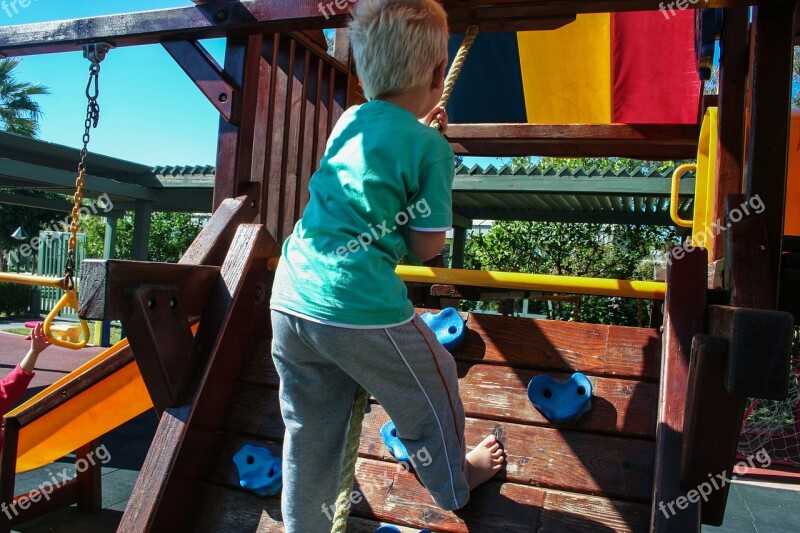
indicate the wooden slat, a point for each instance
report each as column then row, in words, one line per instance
column 574, row 346
column 397, row 497
column 684, row 316
column 278, row 53
column 642, row 141
column 567, row 460
column 226, row 510
column 499, row 393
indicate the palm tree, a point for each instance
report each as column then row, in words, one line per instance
column 19, row 112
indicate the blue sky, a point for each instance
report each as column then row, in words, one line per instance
column 151, row 112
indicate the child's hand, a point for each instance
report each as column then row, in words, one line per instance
column 437, row 113
column 39, row 341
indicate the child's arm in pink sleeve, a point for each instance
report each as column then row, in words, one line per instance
column 13, row 387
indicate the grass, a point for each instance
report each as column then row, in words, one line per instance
column 17, row 331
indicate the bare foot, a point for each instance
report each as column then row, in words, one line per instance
column 484, row 462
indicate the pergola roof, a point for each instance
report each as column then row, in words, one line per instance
column 640, row 196
column 32, row 164
column 550, row 194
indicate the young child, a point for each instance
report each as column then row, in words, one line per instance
column 16, row 383
column 340, row 315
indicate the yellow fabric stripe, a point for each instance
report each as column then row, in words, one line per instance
column 566, row 72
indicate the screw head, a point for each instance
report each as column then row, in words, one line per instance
column 151, row 303
column 173, row 303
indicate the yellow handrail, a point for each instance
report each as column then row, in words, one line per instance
column 29, row 279
column 673, row 197
column 653, row 290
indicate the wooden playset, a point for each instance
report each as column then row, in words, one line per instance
column 667, row 401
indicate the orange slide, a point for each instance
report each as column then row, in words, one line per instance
column 103, row 406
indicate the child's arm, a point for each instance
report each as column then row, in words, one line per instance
column 425, row 245
column 39, row 343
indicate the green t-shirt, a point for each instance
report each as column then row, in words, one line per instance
column 383, row 172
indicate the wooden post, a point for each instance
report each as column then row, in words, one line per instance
column 457, row 253
column 768, row 135
column 141, row 230
column 684, row 317
column 733, row 65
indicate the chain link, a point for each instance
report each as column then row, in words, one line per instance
column 92, row 118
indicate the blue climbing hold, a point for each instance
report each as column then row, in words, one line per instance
column 448, row 326
column 561, row 401
column 393, row 442
column 259, row 470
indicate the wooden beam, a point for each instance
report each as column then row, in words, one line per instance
column 684, row 317
column 713, row 419
column 645, row 141
column 595, row 217
column 768, row 135
column 578, row 185
column 35, row 175
column 220, row 19
column 733, row 67
column 105, row 281
column 204, row 71
column 186, row 437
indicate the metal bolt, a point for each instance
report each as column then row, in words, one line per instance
column 151, row 303
column 173, row 303
column 222, row 15
column 223, row 97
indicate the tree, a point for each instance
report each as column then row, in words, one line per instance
column 170, row 235
column 586, row 250
column 19, row 111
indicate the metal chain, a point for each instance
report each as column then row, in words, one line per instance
column 92, row 118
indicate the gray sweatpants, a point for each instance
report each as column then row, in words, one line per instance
column 405, row 368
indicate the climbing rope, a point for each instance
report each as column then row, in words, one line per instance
column 349, row 464
column 360, row 403
column 455, row 69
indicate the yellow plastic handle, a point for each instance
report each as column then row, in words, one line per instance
column 673, row 197
column 70, row 299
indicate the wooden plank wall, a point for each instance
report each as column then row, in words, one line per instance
column 292, row 95
column 592, row 474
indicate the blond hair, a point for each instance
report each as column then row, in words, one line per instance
column 396, row 43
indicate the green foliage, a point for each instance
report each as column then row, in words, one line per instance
column 15, row 299
column 170, row 235
column 587, row 250
column 19, row 111
column 602, row 163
